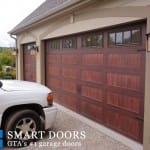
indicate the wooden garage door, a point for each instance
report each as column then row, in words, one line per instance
column 29, row 63
column 101, row 75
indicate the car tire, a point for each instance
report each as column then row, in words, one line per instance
column 22, row 121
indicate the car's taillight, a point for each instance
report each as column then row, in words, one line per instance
column 50, row 99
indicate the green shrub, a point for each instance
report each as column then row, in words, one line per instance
column 6, row 75
column 1, row 68
column 6, row 57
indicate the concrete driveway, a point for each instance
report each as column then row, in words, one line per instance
column 94, row 140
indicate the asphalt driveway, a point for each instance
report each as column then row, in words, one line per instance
column 94, row 140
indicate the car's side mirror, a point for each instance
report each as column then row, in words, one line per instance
column 1, row 84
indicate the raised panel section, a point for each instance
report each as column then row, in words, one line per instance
column 92, row 76
column 28, row 76
column 27, row 68
column 54, row 82
column 53, row 59
column 123, row 123
column 92, row 93
column 92, row 59
column 70, row 59
column 125, row 60
column 28, row 58
column 53, row 70
column 69, row 101
column 69, row 86
column 124, row 81
column 91, row 110
column 70, row 73
column 126, row 102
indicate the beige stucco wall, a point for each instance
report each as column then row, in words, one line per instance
column 87, row 25
column 97, row 15
column 147, row 106
column 147, row 95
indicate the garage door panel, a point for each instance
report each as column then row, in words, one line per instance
column 29, row 64
column 69, row 86
column 133, row 61
column 127, row 81
column 92, row 92
column 53, row 70
column 54, row 82
column 124, row 124
column 27, row 68
column 72, row 72
column 92, row 110
column 69, row 100
column 123, row 101
column 28, row 75
column 71, row 59
column 93, row 59
column 27, row 59
column 92, row 76
column 53, row 59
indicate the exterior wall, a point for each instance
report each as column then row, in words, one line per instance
column 97, row 15
column 147, row 95
column 86, row 25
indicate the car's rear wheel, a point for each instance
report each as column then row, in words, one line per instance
column 22, row 124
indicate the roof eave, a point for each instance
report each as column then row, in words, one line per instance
column 54, row 13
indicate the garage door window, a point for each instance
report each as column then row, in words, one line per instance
column 70, row 43
column 55, row 44
column 125, row 37
column 136, row 35
column 92, row 40
column 119, row 39
column 112, row 38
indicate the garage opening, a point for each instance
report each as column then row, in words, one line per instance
column 100, row 74
column 29, row 63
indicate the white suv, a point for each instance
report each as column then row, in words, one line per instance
column 25, row 107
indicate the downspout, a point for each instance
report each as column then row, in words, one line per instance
column 16, row 55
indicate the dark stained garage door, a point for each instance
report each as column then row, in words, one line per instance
column 29, row 63
column 101, row 75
